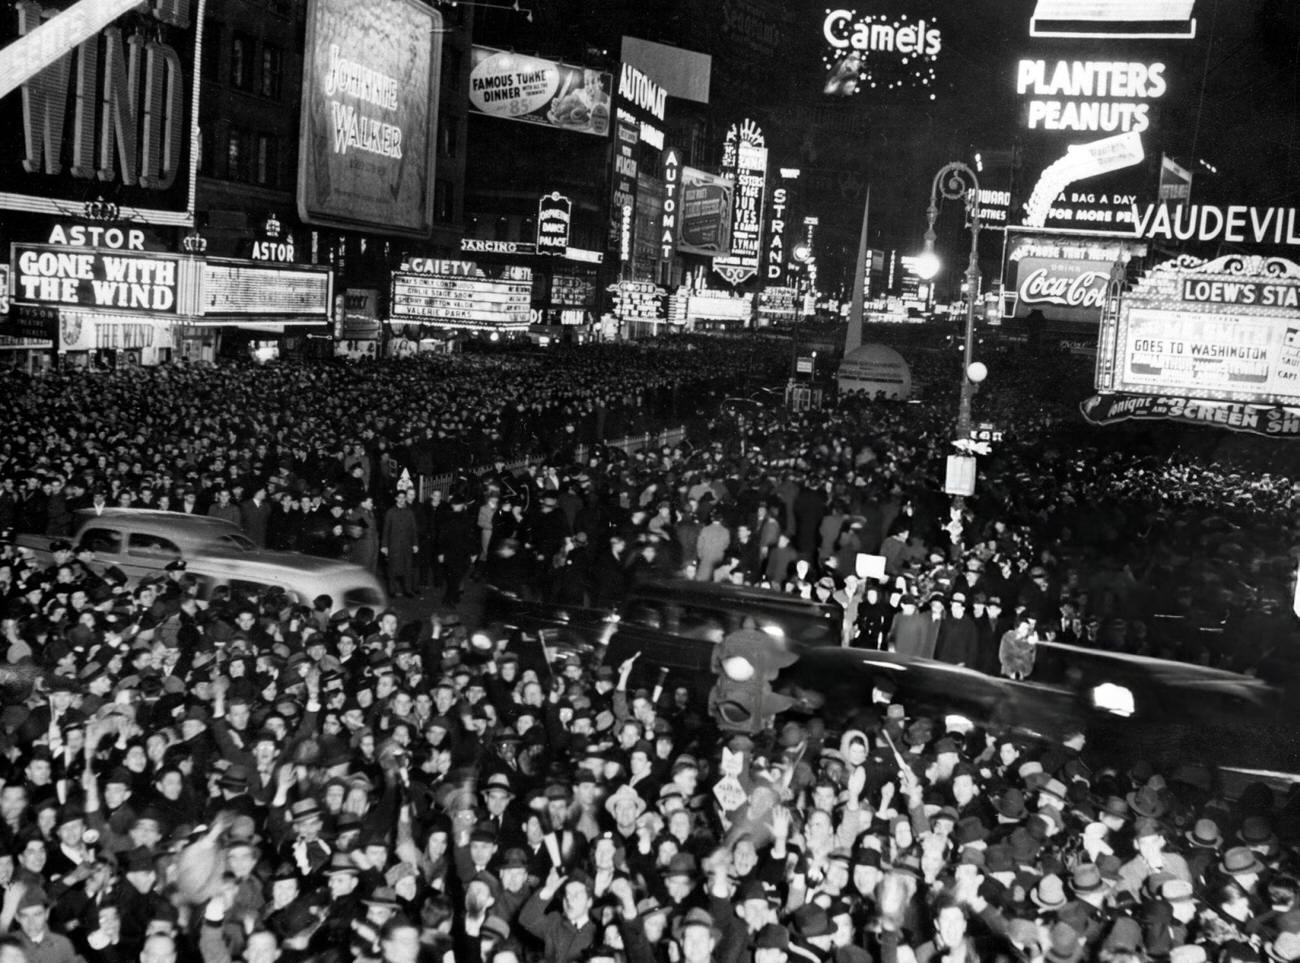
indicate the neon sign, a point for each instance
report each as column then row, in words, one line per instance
column 867, row 51
column 1078, row 95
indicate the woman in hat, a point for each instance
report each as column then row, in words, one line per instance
column 1019, row 648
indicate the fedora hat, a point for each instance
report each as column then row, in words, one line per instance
column 1146, row 802
column 382, row 896
column 698, row 916
column 625, row 794
column 1049, row 894
column 341, row 864
column 1240, row 861
column 1054, row 788
column 1256, row 832
column 1205, row 834
column 1116, row 807
column 1086, row 878
column 498, row 782
column 1065, row 944
column 1011, row 804
column 681, row 864
column 811, row 921
column 1285, row 948
column 304, row 809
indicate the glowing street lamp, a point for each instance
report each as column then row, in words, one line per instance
column 956, row 181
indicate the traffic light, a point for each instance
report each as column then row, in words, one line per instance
column 746, row 663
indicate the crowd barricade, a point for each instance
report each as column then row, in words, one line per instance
column 668, row 437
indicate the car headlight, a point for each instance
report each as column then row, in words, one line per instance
column 1114, row 699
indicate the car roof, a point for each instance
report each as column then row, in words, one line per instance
column 688, row 589
column 161, row 519
column 246, row 563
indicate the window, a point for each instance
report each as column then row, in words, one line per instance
column 102, row 541
column 241, row 61
column 205, row 152
column 239, row 542
column 442, row 200
column 237, row 156
column 354, row 598
column 452, row 60
column 205, row 585
column 268, row 172
column 272, row 70
column 153, row 546
column 252, row 590
column 211, row 50
column 448, row 135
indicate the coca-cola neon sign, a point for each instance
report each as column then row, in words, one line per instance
column 1086, row 290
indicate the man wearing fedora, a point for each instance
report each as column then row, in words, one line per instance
column 1152, row 857
column 498, row 799
column 306, row 850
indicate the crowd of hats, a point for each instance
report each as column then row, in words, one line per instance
column 405, row 737
column 152, row 433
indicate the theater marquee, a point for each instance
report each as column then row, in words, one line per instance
column 1225, row 330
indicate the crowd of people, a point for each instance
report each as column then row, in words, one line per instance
column 263, row 778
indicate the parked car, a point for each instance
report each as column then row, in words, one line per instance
column 142, row 541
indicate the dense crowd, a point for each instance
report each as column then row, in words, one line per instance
column 266, row 778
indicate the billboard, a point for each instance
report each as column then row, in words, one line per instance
column 1061, row 278
column 622, row 189
column 111, row 117
column 462, row 294
column 1090, row 116
column 1223, row 330
column 53, row 275
column 554, row 212
column 705, row 222
column 533, row 90
column 877, row 52
column 228, row 287
column 745, row 152
column 684, row 73
column 369, row 113
column 644, row 102
column 1114, row 19
column 1175, row 181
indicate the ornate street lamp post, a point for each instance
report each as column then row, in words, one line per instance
column 956, row 181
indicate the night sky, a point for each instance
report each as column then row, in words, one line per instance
column 1233, row 99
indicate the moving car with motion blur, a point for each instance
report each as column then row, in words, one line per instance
column 1140, row 707
column 1147, row 707
column 672, row 623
